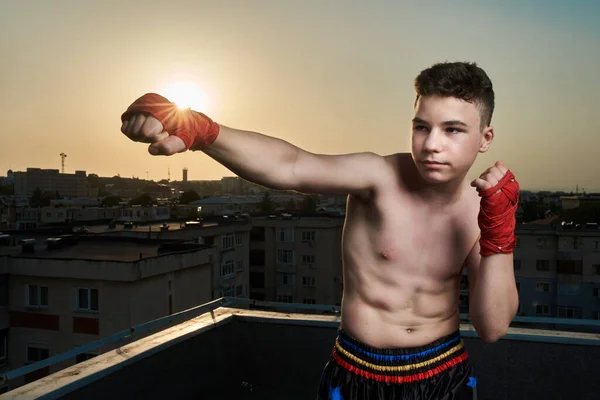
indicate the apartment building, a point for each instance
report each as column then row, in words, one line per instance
column 60, row 293
column 229, row 238
column 51, row 180
column 558, row 271
column 296, row 260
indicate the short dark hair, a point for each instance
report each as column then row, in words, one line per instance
column 462, row 80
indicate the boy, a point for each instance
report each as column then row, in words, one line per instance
column 412, row 223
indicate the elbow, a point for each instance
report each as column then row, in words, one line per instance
column 492, row 334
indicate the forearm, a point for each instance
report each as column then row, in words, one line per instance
column 258, row 158
column 494, row 298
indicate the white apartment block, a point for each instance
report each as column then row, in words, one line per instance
column 65, row 295
column 230, row 239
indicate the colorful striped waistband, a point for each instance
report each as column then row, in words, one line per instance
column 398, row 365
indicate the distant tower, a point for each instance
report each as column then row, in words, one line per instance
column 62, row 162
column 169, row 174
column 185, row 176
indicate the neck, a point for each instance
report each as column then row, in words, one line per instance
column 442, row 194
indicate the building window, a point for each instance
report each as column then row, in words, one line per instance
column 227, row 269
column 308, row 236
column 596, row 315
column 87, row 299
column 285, row 299
column 285, row 235
column 227, row 241
column 37, row 353
column 308, row 281
column 309, row 301
column 37, row 296
column 285, row 256
column 542, row 309
column 596, row 269
column 542, row 243
column 568, row 289
column 542, row 265
column 239, row 239
column 285, row 279
column 543, row 287
column 596, row 292
column 517, row 264
column 228, row 291
column 569, row 312
column 308, row 259
column 239, row 290
column 239, row 265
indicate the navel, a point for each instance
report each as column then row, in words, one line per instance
column 409, row 330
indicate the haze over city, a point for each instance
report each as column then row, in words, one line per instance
column 330, row 77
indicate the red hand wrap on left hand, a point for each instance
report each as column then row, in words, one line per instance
column 497, row 216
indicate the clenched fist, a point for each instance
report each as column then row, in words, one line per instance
column 169, row 130
column 490, row 177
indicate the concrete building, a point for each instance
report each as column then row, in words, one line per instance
column 63, row 293
column 51, row 180
column 569, row 202
column 229, row 238
column 558, row 271
column 296, row 260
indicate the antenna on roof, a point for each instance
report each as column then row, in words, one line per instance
column 62, row 162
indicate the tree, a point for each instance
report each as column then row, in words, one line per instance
column 111, row 201
column 37, row 199
column 143, row 200
column 267, row 206
column 309, row 204
column 8, row 189
column 93, row 181
column 188, row 197
column 291, row 205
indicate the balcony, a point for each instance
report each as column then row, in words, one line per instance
column 225, row 350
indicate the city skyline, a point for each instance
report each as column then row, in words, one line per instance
column 69, row 72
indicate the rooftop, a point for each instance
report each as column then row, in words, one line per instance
column 75, row 247
column 225, row 350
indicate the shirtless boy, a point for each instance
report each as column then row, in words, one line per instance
column 413, row 222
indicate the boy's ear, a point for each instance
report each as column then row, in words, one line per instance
column 487, row 136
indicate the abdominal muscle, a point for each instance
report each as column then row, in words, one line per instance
column 412, row 313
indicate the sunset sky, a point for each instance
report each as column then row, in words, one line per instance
column 328, row 76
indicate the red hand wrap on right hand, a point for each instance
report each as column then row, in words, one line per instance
column 195, row 129
column 497, row 216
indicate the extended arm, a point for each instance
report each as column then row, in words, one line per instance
column 277, row 164
column 258, row 158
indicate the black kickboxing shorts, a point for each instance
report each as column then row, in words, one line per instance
column 438, row 371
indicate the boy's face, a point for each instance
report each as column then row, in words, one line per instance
column 446, row 137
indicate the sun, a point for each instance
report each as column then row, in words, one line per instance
column 187, row 95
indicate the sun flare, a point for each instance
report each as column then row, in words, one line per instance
column 187, row 95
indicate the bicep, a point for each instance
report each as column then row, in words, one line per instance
column 356, row 174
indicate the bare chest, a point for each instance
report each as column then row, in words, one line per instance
column 417, row 241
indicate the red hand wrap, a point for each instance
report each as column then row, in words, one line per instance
column 497, row 216
column 195, row 129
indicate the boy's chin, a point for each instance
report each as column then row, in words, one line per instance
column 437, row 177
